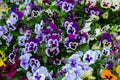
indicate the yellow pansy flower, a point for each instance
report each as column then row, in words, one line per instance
column 2, row 59
column 105, row 15
column 88, row 74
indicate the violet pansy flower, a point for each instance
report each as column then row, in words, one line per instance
column 51, row 51
column 95, row 11
column 74, row 60
column 28, row 33
column 31, row 45
column 41, row 74
column 89, row 57
column 106, row 51
column 21, row 40
column 71, row 27
column 34, row 64
column 15, row 15
column 24, row 59
column 66, row 5
column 70, row 42
column 71, row 75
column 8, row 39
column 3, row 30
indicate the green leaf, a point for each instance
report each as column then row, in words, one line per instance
column 45, row 59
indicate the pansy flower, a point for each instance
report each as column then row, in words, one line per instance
column 2, row 59
column 115, row 5
column 106, row 3
column 53, row 41
column 31, row 10
column 81, row 37
column 91, row 2
column 51, row 51
column 52, row 46
column 21, row 40
column 41, row 73
column 28, row 33
column 39, row 27
column 74, row 60
column 105, row 15
column 13, row 56
column 31, row 45
column 89, row 57
column 57, row 61
column 15, row 15
column 87, row 8
column 94, row 11
column 34, row 64
column 24, row 59
column 106, row 39
column 70, row 42
column 107, row 75
column 118, row 70
column 10, row 70
column 66, row 5
column 40, row 37
column 71, row 27
column 106, row 51
column 8, row 39
column 3, row 30
column 35, row 12
column 71, row 75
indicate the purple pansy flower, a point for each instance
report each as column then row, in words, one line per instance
column 89, row 57
column 71, row 27
column 21, row 40
column 28, row 33
column 40, row 37
column 31, row 10
column 66, row 5
column 106, row 39
column 51, row 51
column 74, row 60
column 15, row 15
column 94, row 11
column 38, row 76
column 24, row 59
column 81, row 37
column 13, row 55
column 39, row 27
column 57, row 61
column 71, row 76
column 87, row 8
column 106, row 51
column 53, row 41
column 31, row 45
column 8, row 39
column 41, row 74
column 70, row 42
column 51, row 26
column 3, row 30
column 34, row 63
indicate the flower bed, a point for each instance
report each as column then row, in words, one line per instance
column 59, row 40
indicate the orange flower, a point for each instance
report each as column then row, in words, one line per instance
column 107, row 75
column 118, row 70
